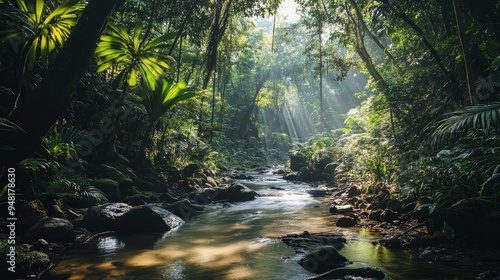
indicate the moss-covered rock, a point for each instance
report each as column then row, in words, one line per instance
column 26, row 262
column 126, row 186
column 109, row 187
column 52, row 230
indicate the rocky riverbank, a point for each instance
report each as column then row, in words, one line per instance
column 401, row 222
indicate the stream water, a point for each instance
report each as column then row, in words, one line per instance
column 239, row 242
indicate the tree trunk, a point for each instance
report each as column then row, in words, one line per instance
column 248, row 113
column 38, row 112
column 465, row 50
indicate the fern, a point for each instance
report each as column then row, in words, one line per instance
column 85, row 195
column 460, row 122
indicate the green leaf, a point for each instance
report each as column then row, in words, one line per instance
column 137, row 33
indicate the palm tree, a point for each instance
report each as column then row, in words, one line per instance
column 133, row 55
column 38, row 27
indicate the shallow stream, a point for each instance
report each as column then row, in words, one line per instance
column 239, row 242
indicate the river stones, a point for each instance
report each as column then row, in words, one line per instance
column 52, row 230
column 364, row 273
column 303, row 242
column 322, row 259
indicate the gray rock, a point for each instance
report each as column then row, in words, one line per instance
column 297, row 161
column 234, row 193
column 323, row 259
column 52, row 230
column 147, row 218
column 184, row 208
column 302, row 242
column 103, row 217
column 346, row 222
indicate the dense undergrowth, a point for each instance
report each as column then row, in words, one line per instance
column 454, row 175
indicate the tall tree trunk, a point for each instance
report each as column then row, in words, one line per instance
column 469, row 70
column 321, row 109
column 38, row 112
column 248, row 113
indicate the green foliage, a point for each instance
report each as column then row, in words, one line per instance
column 134, row 57
column 62, row 145
column 27, row 262
column 79, row 193
column 164, row 96
column 39, row 27
column 465, row 121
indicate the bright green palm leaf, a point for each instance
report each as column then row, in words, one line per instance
column 155, row 43
column 117, row 47
column 39, row 30
column 137, row 34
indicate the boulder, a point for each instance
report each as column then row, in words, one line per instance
column 236, row 192
column 110, row 188
column 350, row 273
column 307, row 175
column 323, row 259
column 147, row 218
column 346, row 222
column 103, row 217
column 323, row 162
column 302, row 242
column 52, row 230
column 184, row 208
column 297, row 161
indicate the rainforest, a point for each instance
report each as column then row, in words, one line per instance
column 249, row 139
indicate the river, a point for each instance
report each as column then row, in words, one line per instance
column 239, row 241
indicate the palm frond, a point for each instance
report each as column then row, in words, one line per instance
column 460, row 122
column 87, row 195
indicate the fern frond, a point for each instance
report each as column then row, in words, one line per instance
column 460, row 122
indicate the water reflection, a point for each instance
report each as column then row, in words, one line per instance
column 109, row 245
